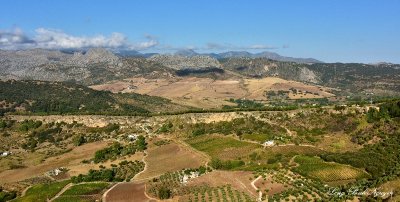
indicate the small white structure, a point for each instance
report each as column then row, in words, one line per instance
column 56, row 171
column 6, row 153
column 186, row 177
column 132, row 137
column 269, row 143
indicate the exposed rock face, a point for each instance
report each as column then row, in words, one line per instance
column 100, row 65
column 185, row 62
column 307, row 75
column 95, row 66
column 95, row 55
column 262, row 67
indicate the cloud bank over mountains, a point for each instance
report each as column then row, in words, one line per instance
column 45, row 38
column 57, row 39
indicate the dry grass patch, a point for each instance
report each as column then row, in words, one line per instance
column 209, row 93
column 338, row 143
column 239, row 180
column 71, row 158
column 127, row 192
column 268, row 184
column 168, row 158
column 82, row 168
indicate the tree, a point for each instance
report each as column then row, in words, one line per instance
column 79, row 140
column 141, row 143
column 164, row 193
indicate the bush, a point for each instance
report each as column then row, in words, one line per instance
column 226, row 165
column 164, row 193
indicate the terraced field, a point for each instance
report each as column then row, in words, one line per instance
column 221, row 193
column 328, row 172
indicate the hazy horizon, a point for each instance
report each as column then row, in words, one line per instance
column 339, row 31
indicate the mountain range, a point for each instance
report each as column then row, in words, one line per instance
column 229, row 54
column 97, row 66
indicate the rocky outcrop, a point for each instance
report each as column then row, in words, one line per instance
column 91, row 67
column 185, row 62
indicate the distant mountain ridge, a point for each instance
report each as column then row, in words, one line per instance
column 97, row 66
column 233, row 54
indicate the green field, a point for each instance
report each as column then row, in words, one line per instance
column 317, row 168
column 222, row 147
column 42, row 192
column 86, row 189
column 80, row 192
column 261, row 138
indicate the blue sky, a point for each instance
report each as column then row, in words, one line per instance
column 331, row 31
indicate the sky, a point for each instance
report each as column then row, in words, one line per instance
column 329, row 30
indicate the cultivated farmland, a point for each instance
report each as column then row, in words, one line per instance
column 225, row 148
column 328, row 172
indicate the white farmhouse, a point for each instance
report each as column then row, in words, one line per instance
column 192, row 175
column 132, row 137
column 6, row 153
column 269, row 143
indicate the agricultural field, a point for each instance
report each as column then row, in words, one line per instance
column 261, row 138
column 72, row 158
column 317, row 168
column 168, row 158
column 42, row 192
column 127, row 191
column 391, row 188
column 84, row 192
column 221, row 193
column 239, row 180
column 209, row 157
column 211, row 93
column 222, row 147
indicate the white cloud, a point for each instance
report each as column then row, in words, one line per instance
column 57, row 39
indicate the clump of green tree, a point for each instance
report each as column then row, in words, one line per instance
column 225, row 165
column 27, row 125
column 386, row 110
column 164, row 193
column 244, row 104
column 117, row 149
column 7, row 196
column 381, row 160
column 79, row 140
column 6, row 124
column 141, row 143
column 125, row 171
column 114, row 151
column 238, row 126
column 69, row 98
column 111, row 127
column 165, row 128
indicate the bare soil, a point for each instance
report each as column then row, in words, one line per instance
column 127, row 191
column 169, row 158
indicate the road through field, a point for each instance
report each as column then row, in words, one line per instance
column 254, row 186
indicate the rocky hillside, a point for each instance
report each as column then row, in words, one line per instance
column 348, row 77
column 97, row 66
column 91, row 67
column 179, row 62
column 261, row 67
column 265, row 55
